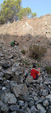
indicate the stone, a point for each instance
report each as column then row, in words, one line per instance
column 49, row 97
column 9, row 98
column 20, row 91
column 27, row 110
column 1, row 74
column 21, row 103
column 8, row 74
column 30, row 102
column 14, row 108
column 47, row 82
column 15, row 66
column 45, row 103
column 1, row 103
column 14, row 112
column 1, row 55
column 33, row 109
column 40, row 107
column 0, row 68
column 36, row 98
column 5, row 65
column 44, row 92
column 49, row 110
column 29, row 79
column 4, row 108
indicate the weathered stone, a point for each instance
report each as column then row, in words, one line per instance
column 5, row 65
column 44, row 92
column 8, row 74
column 49, row 97
column 33, row 109
column 36, row 98
column 1, row 103
column 14, row 112
column 0, row 68
column 47, row 82
column 49, row 110
column 21, row 103
column 31, row 102
column 1, row 74
column 1, row 55
column 4, row 108
column 29, row 80
column 14, row 108
column 20, row 91
column 27, row 110
column 9, row 98
column 45, row 103
column 40, row 107
column 15, row 66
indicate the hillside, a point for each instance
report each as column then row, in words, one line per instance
column 19, row 92
column 27, row 32
column 35, row 26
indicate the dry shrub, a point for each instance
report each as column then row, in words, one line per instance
column 23, row 52
column 48, row 69
column 36, row 52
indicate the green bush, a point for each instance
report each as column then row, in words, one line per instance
column 2, row 20
column 23, row 52
column 36, row 52
column 26, row 62
column 48, row 69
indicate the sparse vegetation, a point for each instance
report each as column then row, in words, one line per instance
column 23, row 52
column 36, row 52
column 26, row 62
column 11, row 10
column 38, row 65
column 48, row 69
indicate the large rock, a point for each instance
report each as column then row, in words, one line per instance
column 29, row 80
column 20, row 91
column 9, row 98
column 49, row 110
column 45, row 103
column 4, row 109
column 1, row 74
column 21, row 103
column 31, row 102
column 8, row 74
column 33, row 109
column 44, row 92
column 40, row 107
column 13, row 108
column 1, row 103
column 49, row 97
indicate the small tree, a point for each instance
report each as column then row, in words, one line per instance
column 23, row 13
column 34, row 15
column 10, row 8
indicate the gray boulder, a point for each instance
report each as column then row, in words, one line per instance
column 41, row 108
column 9, row 98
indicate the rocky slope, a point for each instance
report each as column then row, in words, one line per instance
column 36, row 26
column 19, row 93
column 27, row 32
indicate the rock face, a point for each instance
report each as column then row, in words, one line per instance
column 19, row 93
column 41, row 25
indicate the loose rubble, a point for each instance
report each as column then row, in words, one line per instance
column 19, row 93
